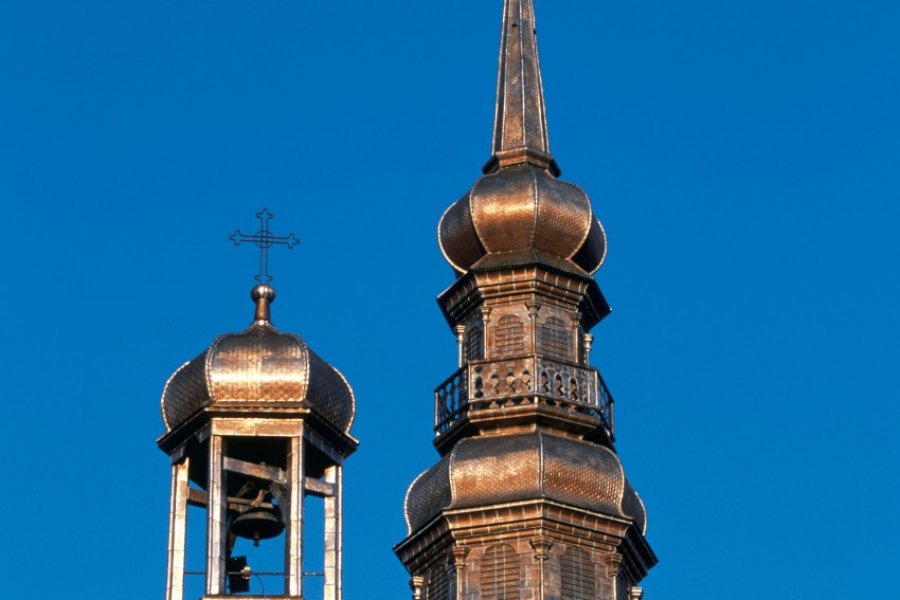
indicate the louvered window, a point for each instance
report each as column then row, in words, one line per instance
column 579, row 581
column 500, row 574
column 509, row 337
column 556, row 339
column 474, row 344
column 438, row 587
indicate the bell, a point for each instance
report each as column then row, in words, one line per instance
column 258, row 523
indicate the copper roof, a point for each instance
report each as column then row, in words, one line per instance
column 258, row 367
column 486, row 470
column 520, row 209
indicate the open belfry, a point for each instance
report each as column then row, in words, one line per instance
column 254, row 424
column 528, row 499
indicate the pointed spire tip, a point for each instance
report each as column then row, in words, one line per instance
column 520, row 122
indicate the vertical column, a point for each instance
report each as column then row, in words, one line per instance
column 293, row 549
column 333, row 533
column 459, row 565
column 416, row 585
column 613, row 561
column 533, row 308
column 588, row 342
column 460, row 345
column 488, row 333
column 217, row 506
column 576, row 334
column 541, row 545
column 177, row 528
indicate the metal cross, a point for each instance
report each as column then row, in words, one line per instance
column 265, row 240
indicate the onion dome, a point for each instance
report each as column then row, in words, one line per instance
column 482, row 471
column 519, row 212
column 259, row 368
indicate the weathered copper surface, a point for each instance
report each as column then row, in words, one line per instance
column 259, row 366
column 519, row 210
column 256, row 422
column 529, row 499
column 487, row 470
column 520, row 118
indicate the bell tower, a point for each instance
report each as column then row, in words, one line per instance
column 254, row 425
column 529, row 499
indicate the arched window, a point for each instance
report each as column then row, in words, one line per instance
column 555, row 339
column 500, row 573
column 579, row 581
column 474, row 344
column 509, row 337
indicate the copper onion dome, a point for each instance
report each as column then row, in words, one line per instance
column 522, row 213
column 481, row 471
column 519, row 212
column 259, row 368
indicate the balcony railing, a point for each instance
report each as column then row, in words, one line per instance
column 495, row 383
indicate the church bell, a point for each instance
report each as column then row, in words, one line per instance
column 258, row 523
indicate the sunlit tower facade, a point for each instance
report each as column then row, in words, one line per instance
column 529, row 499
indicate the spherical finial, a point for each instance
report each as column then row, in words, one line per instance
column 263, row 295
column 261, row 291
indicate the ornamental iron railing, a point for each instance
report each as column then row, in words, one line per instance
column 491, row 384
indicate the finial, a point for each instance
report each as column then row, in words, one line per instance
column 265, row 240
column 520, row 121
column 263, row 295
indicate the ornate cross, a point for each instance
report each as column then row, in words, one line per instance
column 265, row 240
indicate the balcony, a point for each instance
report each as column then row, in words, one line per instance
column 493, row 384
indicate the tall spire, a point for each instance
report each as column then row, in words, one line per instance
column 520, row 122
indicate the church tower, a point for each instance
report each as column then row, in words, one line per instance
column 255, row 425
column 529, row 500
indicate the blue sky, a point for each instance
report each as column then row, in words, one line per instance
column 742, row 156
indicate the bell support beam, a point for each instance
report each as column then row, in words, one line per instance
column 177, row 530
column 254, row 470
column 197, row 498
column 317, row 487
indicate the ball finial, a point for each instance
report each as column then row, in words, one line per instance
column 263, row 295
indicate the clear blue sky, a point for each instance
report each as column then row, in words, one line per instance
column 742, row 155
